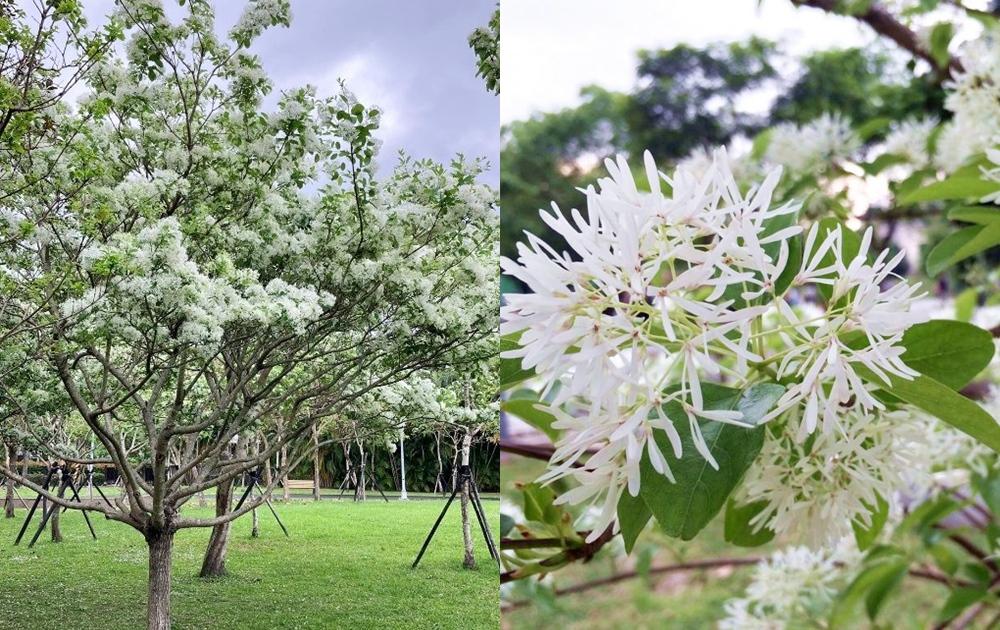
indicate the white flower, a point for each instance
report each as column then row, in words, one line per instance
column 791, row 588
column 825, row 357
column 974, row 99
column 815, row 489
column 611, row 322
column 909, row 139
column 812, row 148
column 662, row 293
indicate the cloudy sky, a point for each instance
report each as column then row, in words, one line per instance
column 551, row 49
column 410, row 58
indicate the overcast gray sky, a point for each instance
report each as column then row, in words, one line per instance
column 410, row 58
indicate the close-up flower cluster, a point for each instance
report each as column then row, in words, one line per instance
column 695, row 281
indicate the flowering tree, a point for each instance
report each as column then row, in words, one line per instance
column 719, row 340
column 200, row 266
column 485, row 42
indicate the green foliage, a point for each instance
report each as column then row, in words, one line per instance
column 943, row 402
column 529, row 410
column 688, row 95
column 882, row 571
column 633, row 515
column 540, row 161
column 964, row 243
column 951, row 352
column 685, row 507
column 966, row 183
column 485, row 43
column 866, row 534
column 738, row 530
column 859, row 84
column 421, row 465
column 511, row 372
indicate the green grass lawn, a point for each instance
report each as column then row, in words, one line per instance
column 345, row 565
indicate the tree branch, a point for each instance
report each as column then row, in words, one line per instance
column 886, row 25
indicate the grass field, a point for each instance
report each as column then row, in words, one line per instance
column 346, row 565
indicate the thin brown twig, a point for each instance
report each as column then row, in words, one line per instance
column 526, row 450
column 714, row 563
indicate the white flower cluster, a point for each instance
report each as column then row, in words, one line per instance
column 792, row 588
column 665, row 289
column 974, row 98
column 811, row 147
column 815, row 489
column 164, row 285
column 258, row 16
column 909, row 139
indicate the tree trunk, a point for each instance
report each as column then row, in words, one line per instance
column 470, row 557
column 63, row 482
column 457, row 452
column 359, row 490
column 160, row 554
column 316, row 462
column 214, row 564
column 9, row 499
column 285, row 492
column 438, row 484
column 348, row 469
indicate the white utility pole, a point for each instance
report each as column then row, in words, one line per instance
column 402, row 467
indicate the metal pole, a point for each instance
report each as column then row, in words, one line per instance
column 34, row 506
column 434, row 529
column 76, row 495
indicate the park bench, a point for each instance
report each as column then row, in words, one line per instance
column 299, row 484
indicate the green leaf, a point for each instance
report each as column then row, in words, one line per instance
column 983, row 215
column 989, row 489
column 633, row 514
column 958, row 186
column 922, row 519
column 511, row 372
column 880, row 590
column 872, row 584
column 961, row 598
column 685, row 507
column 865, row 535
column 950, row 352
column 506, row 524
column 945, row 557
column 872, row 127
column 962, row 244
column 940, row 37
column 760, row 143
column 533, row 412
column 943, row 402
column 965, row 304
column 883, row 162
column 539, row 506
column 737, row 529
